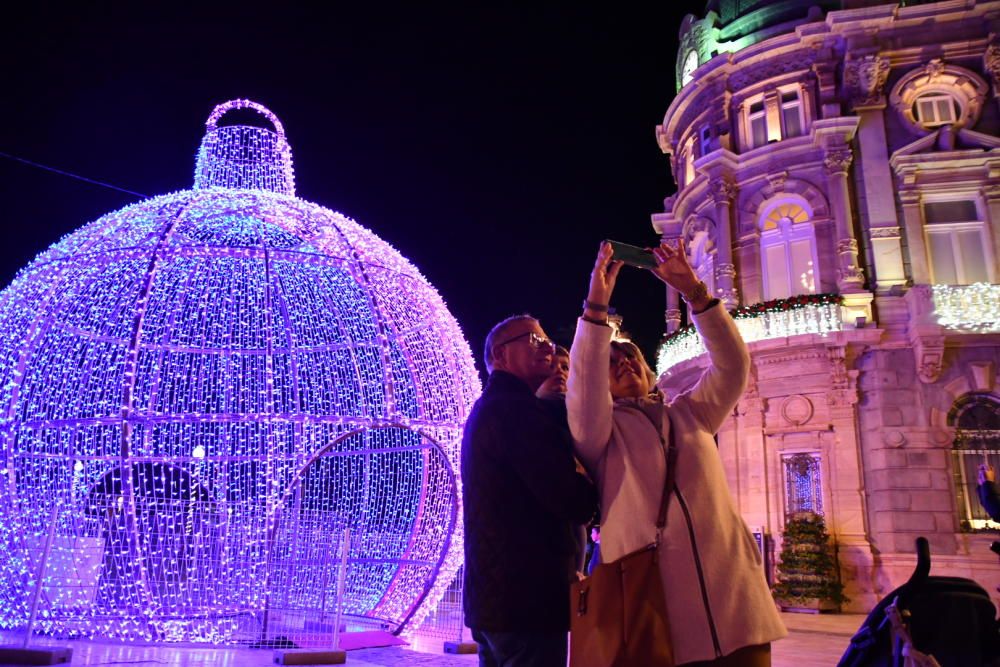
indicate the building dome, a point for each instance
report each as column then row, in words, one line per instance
column 202, row 390
column 731, row 25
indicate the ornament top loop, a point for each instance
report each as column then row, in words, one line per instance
column 242, row 156
column 221, row 109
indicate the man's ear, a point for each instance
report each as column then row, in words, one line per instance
column 499, row 358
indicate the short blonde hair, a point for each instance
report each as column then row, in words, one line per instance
column 632, row 350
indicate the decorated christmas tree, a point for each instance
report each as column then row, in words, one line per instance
column 808, row 577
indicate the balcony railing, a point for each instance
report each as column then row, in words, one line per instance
column 804, row 314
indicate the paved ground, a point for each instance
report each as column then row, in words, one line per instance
column 815, row 641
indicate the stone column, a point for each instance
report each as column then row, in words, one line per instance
column 913, row 223
column 772, row 114
column 849, row 275
column 864, row 81
column 723, row 191
column 848, row 514
column 673, row 311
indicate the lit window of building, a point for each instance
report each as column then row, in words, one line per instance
column 757, row 123
column 785, row 120
column 957, row 242
column 791, row 114
column 976, row 419
column 803, row 483
column 934, row 110
column 705, row 143
column 788, row 251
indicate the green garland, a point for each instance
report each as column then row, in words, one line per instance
column 773, row 306
column 807, row 571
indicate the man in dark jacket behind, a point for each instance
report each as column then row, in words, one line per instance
column 522, row 493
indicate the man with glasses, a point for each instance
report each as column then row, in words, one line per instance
column 523, row 493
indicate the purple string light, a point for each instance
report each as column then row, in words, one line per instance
column 211, row 385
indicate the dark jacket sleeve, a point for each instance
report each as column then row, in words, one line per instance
column 990, row 500
column 540, row 453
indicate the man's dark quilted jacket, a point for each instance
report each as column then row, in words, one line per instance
column 522, row 493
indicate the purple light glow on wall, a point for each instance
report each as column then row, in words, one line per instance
column 205, row 389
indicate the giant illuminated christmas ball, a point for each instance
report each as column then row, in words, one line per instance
column 202, row 391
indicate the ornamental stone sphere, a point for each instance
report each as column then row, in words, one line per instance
column 202, row 391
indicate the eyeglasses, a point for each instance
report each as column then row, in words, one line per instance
column 534, row 340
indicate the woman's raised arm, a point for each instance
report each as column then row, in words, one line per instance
column 588, row 397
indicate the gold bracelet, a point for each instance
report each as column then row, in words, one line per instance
column 699, row 292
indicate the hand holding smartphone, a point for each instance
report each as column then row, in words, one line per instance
column 632, row 255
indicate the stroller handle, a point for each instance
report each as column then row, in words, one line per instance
column 923, row 568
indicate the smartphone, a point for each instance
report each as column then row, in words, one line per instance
column 633, row 255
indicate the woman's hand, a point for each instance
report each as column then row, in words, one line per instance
column 602, row 282
column 674, row 270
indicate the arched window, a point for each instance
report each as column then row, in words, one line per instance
column 788, row 249
column 976, row 419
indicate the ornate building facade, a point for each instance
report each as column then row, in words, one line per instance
column 838, row 185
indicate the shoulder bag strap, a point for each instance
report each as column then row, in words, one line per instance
column 670, row 450
column 670, row 459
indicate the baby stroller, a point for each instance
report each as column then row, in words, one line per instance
column 928, row 622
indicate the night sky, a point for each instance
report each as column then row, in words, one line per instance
column 495, row 148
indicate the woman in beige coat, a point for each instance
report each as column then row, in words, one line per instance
column 719, row 606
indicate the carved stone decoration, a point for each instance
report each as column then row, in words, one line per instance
column 730, row 297
column 796, row 410
column 798, row 61
column 777, row 182
column 850, row 274
column 991, row 64
column 838, row 160
column 673, row 318
column 725, row 271
column 847, row 245
column 696, row 225
column 841, row 398
column 864, row 79
column 722, row 190
column 928, row 351
column 894, row 438
column 843, row 380
column 885, row 232
column 934, row 69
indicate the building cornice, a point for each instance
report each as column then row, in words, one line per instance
column 814, row 42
